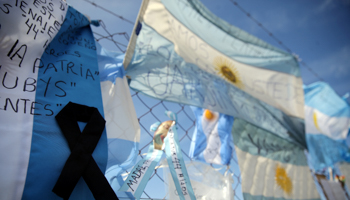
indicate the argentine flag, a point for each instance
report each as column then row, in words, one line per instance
column 212, row 136
column 327, row 120
column 271, row 167
column 48, row 58
column 181, row 52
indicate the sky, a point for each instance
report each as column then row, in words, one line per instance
column 318, row 31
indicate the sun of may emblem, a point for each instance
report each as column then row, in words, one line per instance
column 283, row 181
column 315, row 121
column 228, row 71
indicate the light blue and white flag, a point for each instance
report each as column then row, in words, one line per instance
column 26, row 31
column 47, row 60
column 271, row 167
column 327, row 120
column 179, row 51
column 212, row 136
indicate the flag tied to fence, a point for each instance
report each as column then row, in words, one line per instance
column 165, row 138
column 47, row 59
column 212, row 137
column 179, row 51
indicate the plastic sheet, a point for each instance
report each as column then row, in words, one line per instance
column 207, row 182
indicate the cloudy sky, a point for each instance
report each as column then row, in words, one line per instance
column 318, row 31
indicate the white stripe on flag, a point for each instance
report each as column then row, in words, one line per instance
column 121, row 119
column 25, row 33
column 316, row 122
column 259, row 178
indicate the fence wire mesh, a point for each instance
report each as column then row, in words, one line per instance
column 151, row 110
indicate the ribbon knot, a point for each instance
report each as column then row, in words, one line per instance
column 80, row 162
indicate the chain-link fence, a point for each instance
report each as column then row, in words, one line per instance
column 151, row 110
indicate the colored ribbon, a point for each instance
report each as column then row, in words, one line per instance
column 142, row 171
column 164, row 133
column 177, row 166
column 80, row 163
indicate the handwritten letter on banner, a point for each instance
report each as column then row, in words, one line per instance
column 181, row 52
column 26, row 29
column 271, row 167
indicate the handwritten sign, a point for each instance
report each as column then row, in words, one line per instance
column 26, row 28
column 140, row 174
column 205, row 62
column 67, row 71
column 142, row 171
column 38, row 23
column 47, row 60
column 178, row 81
column 177, row 166
column 262, row 143
column 186, row 83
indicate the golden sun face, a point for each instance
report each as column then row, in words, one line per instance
column 228, row 71
column 208, row 115
column 283, row 181
column 315, row 121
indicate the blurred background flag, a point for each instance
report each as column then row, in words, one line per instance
column 179, row 51
column 212, row 136
column 271, row 167
column 327, row 120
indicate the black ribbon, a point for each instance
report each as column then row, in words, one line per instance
column 80, row 163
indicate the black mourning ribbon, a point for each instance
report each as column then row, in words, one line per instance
column 80, row 163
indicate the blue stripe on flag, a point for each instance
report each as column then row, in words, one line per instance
column 325, row 152
column 72, row 76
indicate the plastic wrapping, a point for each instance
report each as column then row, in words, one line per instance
column 207, row 182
